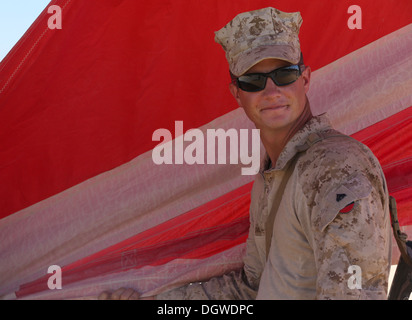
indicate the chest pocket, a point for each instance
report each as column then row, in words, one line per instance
column 343, row 199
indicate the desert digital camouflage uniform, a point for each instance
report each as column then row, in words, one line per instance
column 334, row 214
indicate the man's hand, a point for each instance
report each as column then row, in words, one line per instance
column 122, row 294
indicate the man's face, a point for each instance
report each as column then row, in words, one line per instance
column 274, row 108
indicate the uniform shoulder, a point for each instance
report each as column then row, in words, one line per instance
column 334, row 161
column 335, row 150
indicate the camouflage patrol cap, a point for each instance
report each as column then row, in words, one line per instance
column 261, row 34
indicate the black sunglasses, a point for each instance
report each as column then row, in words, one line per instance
column 253, row 82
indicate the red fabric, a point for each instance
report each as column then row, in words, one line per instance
column 82, row 100
column 391, row 142
column 200, row 233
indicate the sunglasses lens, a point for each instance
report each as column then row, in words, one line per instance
column 252, row 83
column 287, row 76
column 257, row 81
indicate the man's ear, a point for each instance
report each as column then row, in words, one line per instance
column 306, row 78
column 234, row 90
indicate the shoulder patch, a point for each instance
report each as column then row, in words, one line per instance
column 342, row 198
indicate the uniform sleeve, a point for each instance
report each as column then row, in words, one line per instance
column 236, row 285
column 232, row 286
column 352, row 237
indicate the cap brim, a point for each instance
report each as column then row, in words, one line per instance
column 248, row 59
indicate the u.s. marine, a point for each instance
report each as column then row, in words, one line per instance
column 319, row 204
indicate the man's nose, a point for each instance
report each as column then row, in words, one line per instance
column 271, row 88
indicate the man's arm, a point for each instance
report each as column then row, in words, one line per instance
column 349, row 222
column 242, row 284
column 236, row 285
column 352, row 240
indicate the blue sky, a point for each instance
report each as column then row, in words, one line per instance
column 16, row 16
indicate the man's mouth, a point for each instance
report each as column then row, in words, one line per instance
column 272, row 108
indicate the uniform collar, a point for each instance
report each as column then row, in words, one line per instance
column 316, row 124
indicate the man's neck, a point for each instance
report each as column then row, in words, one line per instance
column 275, row 142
